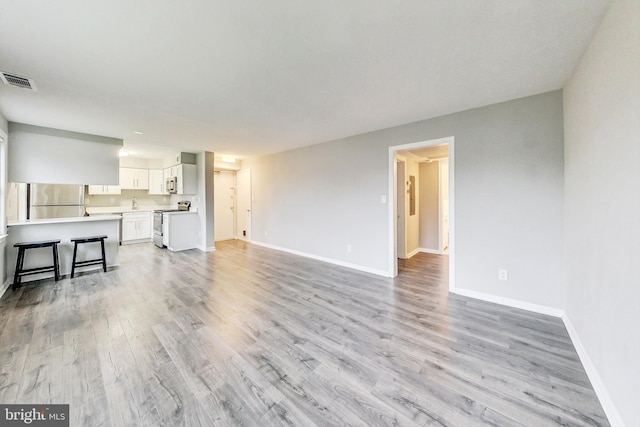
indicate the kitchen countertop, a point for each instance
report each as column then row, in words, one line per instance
column 63, row 229
column 64, row 220
column 180, row 212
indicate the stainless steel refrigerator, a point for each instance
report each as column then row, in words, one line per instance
column 56, row 201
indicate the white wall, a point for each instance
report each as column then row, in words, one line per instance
column 45, row 155
column 602, row 207
column 509, row 197
column 429, row 206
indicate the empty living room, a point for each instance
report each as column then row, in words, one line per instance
column 431, row 213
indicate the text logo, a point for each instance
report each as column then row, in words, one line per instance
column 34, row 415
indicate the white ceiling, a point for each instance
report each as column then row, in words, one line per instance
column 432, row 152
column 250, row 77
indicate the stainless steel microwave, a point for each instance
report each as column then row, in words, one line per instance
column 171, row 185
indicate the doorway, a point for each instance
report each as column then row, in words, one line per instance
column 224, row 202
column 398, row 188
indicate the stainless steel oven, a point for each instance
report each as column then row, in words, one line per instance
column 157, row 228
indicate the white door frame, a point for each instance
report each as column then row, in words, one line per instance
column 393, row 250
column 401, row 201
column 441, row 221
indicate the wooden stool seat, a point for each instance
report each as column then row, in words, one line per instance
column 93, row 239
column 21, row 271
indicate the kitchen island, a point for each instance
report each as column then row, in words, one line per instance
column 64, row 229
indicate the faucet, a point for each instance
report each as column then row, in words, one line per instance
column 134, row 203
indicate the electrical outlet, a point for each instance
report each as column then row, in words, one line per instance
column 348, row 248
column 502, row 274
column 383, row 199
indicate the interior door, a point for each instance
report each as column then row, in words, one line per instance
column 224, row 202
column 243, row 179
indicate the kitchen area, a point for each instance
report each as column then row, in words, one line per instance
column 151, row 201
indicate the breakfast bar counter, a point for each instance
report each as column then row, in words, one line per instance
column 64, row 229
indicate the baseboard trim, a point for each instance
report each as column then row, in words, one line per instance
column 206, row 248
column 596, row 382
column 509, row 302
column 413, row 252
column 431, row 251
column 324, row 259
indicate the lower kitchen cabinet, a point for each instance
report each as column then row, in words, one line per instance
column 181, row 230
column 136, row 227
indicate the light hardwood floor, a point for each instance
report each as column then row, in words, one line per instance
column 255, row 337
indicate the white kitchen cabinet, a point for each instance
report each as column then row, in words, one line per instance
column 156, row 181
column 134, row 179
column 172, row 171
column 136, row 226
column 104, row 189
column 187, row 178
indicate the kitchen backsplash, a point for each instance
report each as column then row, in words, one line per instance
column 126, row 197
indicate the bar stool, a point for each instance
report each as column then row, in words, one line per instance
column 93, row 239
column 21, row 271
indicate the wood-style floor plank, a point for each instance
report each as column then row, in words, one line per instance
column 248, row 336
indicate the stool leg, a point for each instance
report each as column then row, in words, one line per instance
column 56, row 264
column 73, row 262
column 16, row 274
column 104, row 257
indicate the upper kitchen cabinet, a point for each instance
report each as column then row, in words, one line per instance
column 134, row 179
column 156, row 182
column 186, row 178
column 104, row 189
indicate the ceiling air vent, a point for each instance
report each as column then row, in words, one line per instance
column 17, row 81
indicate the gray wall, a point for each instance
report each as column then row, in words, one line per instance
column 602, row 154
column 205, row 161
column 45, row 155
column 508, row 200
column 429, row 206
column 4, row 125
